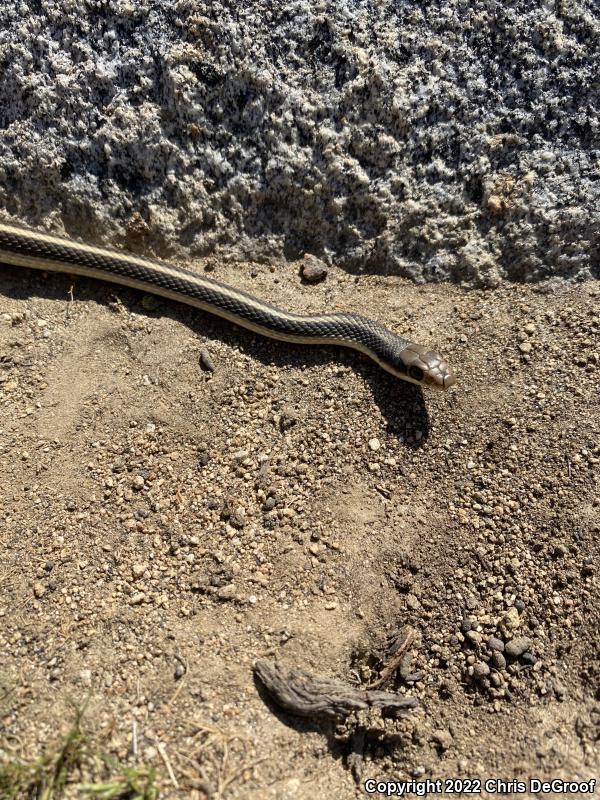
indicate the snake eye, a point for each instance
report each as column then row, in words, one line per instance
column 416, row 373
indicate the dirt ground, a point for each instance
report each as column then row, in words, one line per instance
column 162, row 527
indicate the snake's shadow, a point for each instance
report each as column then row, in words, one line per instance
column 401, row 403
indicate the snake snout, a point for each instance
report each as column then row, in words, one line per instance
column 449, row 379
column 439, row 373
column 428, row 367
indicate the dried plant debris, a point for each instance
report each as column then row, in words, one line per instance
column 307, row 695
column 397, row 658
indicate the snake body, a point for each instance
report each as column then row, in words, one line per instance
column 406, row 360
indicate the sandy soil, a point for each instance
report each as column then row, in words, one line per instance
column 162, row 527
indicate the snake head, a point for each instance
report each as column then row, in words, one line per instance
column 425, row 367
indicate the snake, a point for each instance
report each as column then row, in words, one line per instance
column 415, row 363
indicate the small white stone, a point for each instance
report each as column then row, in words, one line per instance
column 85, row 677
column 511, row 620
column 138, row 570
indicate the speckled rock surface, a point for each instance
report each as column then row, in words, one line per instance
column 461, row 141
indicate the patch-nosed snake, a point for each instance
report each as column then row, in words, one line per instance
column 412, row 362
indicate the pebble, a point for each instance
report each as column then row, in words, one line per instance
column 474, row 636
column 516, row 647
column 374, row 445
column 138, row 570
column 313, row 270
column 179, row 671
column 442, row 738
column 498, row 660
column 480, row 670
column 85, row 677
column 226, row 592
column 511, row 620
column 495, row 644
column 525, row 347
column 206, row 361
column 137, row 598
column 412, row 601
column 39, row 590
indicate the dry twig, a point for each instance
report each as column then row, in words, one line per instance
column 311, row 696
column 402, row 646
